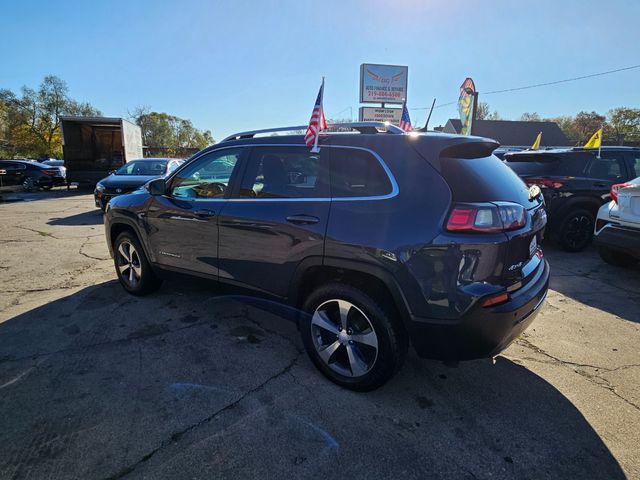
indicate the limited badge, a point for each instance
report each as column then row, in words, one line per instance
column 118, row 190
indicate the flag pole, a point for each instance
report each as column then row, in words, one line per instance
column 315, row 148
column 601, row 135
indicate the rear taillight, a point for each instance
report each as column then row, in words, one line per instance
column 486, row 217
column 51, row 173
column 616, row 187
column 544, row 182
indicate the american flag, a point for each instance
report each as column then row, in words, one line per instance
column 317, row 122
column 405, row 121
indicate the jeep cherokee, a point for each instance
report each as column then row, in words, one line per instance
column 381, row 240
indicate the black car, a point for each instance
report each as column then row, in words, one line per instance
column 131, row 176
column 29, row 175
column 382, row 239
column 575, row 182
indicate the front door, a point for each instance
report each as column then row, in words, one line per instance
column 277, row 218
column 183, row 225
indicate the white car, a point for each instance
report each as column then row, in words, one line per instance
column 617, row 232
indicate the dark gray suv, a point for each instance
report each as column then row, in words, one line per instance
column 381, row 240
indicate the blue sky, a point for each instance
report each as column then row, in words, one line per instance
column 240, row 65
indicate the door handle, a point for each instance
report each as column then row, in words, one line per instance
column 204, row 213
column 302, row 219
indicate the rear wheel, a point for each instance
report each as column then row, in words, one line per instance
column 576, row 231
column 619, row 259
column 133, row 268
column 351, row 339
column 29, row 184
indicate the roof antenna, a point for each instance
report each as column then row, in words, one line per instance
column 426, row 124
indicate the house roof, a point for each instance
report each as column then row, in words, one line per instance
column 513, row 133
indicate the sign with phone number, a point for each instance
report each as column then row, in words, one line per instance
column 383, row 83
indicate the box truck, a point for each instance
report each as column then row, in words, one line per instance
column 95, row 146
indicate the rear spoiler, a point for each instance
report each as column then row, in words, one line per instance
column 472, row 149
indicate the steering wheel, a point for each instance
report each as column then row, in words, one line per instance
column 210, row 190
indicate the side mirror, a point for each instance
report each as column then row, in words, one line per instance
column 157, row 187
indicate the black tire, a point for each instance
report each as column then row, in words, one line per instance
column 391, row 339
column 576, row 231
column 29, row 184
column 47, row 187
column 619, row 259
column 134, row 273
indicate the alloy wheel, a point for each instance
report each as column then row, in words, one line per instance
column 578, row 231
column 129, row 265
column 344, row 338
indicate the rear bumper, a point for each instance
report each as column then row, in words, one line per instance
column 481, row 332
column 621, row 239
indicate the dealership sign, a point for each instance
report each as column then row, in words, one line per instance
column 383, row 83
column 374, row 114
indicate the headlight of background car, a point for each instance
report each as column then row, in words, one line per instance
column 100, row 187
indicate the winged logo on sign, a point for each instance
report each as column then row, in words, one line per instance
column 379, row 78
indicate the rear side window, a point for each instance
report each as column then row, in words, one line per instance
column 611, row 168
column 634, row 164
column 570, row 165
column 285, row 172
column 357, row 173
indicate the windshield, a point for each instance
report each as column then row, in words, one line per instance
column 143, row 167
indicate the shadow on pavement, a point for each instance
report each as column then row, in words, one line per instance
column 190, row 383
column 8, row 196
column 586, row 278
column 92, row 217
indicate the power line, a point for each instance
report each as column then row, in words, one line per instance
column 582, row 77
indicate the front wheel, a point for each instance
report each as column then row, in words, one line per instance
column 576, row 231
column 619, row 259
column 350, row 338
column 29, row 184
column 133, row 268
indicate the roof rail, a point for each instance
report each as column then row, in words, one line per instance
column 362, row 127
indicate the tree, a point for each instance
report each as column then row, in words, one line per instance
column 32, row 120
column 586, row 123
column 161, row 130
column 624, row 124
column 530, row 117
column 483, row 112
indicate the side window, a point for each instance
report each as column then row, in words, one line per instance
column 609, row 166
column 634, row 164
column 208, row 177
column 285, row 172
column 357, row 173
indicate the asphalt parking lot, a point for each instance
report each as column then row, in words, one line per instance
column 197, row 382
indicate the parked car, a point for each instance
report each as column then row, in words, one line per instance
column 59, row 164
column 28, row 175
column 575, row 183
column 380, row 239
column 131, row 176
column 617, row 233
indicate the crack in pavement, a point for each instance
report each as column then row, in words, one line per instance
column 176, row 436
column 604, row 383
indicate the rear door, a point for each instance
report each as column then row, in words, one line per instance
column 276, row 218
column 605, row 171
column 182, row 225
column 12, row 173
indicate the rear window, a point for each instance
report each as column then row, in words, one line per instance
column 357, row 173
column 572, row 165
column 485, row 179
